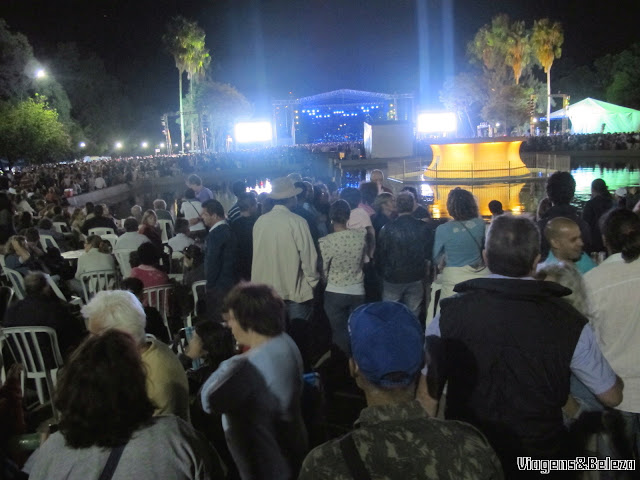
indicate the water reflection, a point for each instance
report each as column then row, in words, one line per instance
column 524, row 195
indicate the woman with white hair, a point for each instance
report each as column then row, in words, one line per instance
column 167, row 385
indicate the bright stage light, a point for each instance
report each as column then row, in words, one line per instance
column 253, row 132
column 437, row 122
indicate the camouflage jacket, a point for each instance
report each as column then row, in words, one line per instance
column 402, row 442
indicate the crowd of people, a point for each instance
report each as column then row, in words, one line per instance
column 573, row 142
column 530, row 323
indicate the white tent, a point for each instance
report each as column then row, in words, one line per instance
column 590, row 115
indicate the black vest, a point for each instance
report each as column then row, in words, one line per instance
column 508, row 345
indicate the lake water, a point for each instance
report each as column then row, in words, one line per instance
column 523, row 196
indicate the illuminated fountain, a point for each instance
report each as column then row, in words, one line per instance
column 472, row 160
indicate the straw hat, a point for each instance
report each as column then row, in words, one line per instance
column 282, row 188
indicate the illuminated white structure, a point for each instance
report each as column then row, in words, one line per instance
column 253, row 132
column 436, row 122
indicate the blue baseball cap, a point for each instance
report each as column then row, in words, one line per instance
column 387, row 343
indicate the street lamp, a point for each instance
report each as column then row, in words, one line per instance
column 144, row 144
column 82, row 144
column 162, row 145
column 41, row 73
column 118, row 145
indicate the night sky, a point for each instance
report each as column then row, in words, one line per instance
column 269, row 48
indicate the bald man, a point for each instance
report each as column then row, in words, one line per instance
column 565, row 240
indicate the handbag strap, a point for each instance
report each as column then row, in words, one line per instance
column 475, row 240
column 112, row 463
column 352, row 457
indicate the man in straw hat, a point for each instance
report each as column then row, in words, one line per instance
column 283, row 252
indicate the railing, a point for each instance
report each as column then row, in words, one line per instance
column 536, row 165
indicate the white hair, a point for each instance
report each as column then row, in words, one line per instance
column 116, row 309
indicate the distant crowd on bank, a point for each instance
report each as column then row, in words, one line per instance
column 530, row 322
column 582, row 142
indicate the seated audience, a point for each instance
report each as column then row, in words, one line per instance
column 98, row 221
column 167, row 385
column 193, row 262
column 106, row 416
column 96, row 257
column 155, row 325
column 149, row 228
column 130, row 239
column 395, row 437
column 258, row 392
column 181, row 240
column 42, row 308
column 148, row 270
column 19, row 257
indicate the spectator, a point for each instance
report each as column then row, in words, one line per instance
column 167, row 384
column 192, row 209
column 495, row 207
column 419, row 212
column 155, row 325
column 458, row 245
column 194, row 182
column 219, row 257
column 160, row 207
column 6, row 218
column 599, row 203
column 565, row 240
column 308, row 215
column 395, row 437
column 561, row 187
column 18, row 256
column 359, row 218
column 45, row 227
column 98, row 221
column 483, row 355
column 238, row 188
column 194, row 265
column 369, row 192
column 136, row 212
column 149, row 228
column 612, row 287
column 286, row 257
column 377, row 177
column 258, row 392
column 385, row 208
column 243, row 229
column 343, row 258
column 96, row 257
column 181, row 240
column 148, row 271
column 104, row 409
column 403, row 256
column 41, row 308
column 130, row 239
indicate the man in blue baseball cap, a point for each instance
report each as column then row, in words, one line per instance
column 395, row 438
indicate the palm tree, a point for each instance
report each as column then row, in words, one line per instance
column 185, row 41
column 517, row 49
column 198, row 59
column 546, row 40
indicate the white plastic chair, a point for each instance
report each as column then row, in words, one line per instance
column 61, row 227
column 56, row 290
column 158, row 298
column 94, row 282
column 122, row 256
column 100, row 231
column 111, row 238
column 47, row 241
column 26, row 344
column 201, row 285
column 167, row 227
column 17, row 282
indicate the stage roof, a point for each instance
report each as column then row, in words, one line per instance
column 345, row 96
